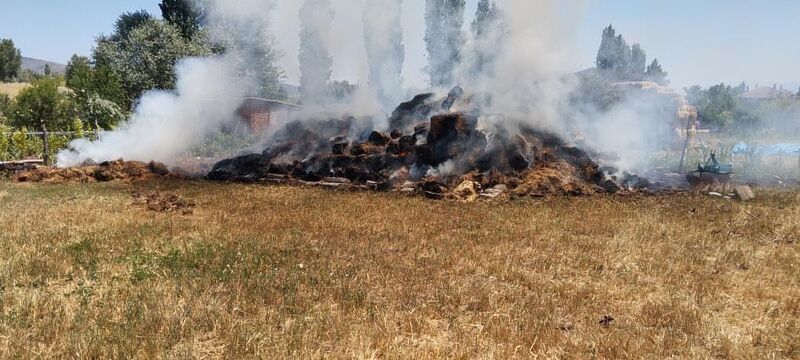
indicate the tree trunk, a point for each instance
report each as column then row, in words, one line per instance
column 45, row 142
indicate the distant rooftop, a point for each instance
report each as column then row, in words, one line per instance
column 766, row 93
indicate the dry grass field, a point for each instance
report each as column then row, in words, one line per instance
column 87, row 271
column 12, row 89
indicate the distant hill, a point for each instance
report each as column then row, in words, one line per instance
column 37, row 65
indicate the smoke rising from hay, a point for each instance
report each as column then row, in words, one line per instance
column 520, row 68
column 383, row 37
column 166, row 123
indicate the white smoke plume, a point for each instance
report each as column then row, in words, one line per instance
column 383, row 37
column 316, row 17
column 208, row 92
column 166, row 123
column 530, row 80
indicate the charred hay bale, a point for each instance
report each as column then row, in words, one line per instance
column 393, row 148
column 432, row 188
column 406, row 143
column 367, row 149
column 379, row 138
column 452, row 96
column 339, row 161
column 358, row 174
column 491, row 179
column 340, row 148
column 243, row 168
column 411, row 112
column 512, row 155
column 449, row 136
column 587, row 168
column 158, row 168
column 316, row 169
column 384, row 163
column 633, row 182
column 610, row 186
column 421, row 130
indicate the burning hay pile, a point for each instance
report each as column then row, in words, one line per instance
column 438, row 147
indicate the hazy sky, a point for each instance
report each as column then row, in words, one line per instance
column 697, row 41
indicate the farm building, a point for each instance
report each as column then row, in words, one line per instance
column 257, row 114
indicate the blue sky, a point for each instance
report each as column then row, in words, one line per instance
column 697, row 41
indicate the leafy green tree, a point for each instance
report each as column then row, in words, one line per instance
column 656, row 73
column 694, row 95
column 182, row 14
column 100, row 113
column 638, row 65
column 79, row 74
column 6, row 106
column 718, row 105
column 41, row 106
column 249, row 45
column 316, row 63
column 623, row 55
column 614, row 54
column 95, row 93
column 10, row 60
column 128, row 22
column 444, row 39
column 145, row 58
column 741, row 89
column 485, row 16
column 606, row 55
column 86, row 80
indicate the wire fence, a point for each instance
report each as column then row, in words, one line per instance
column 22, row 144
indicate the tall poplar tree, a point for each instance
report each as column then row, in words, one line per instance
column 444, row 38
column 316, row 63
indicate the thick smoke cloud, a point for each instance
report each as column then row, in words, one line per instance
column 383, row 37
column 166, row 123
column 315, row 60
column 209, row 90
column 244, row 29
column 529, row 80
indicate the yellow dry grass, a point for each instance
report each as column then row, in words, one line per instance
column 12, row 89
column 286, row 272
